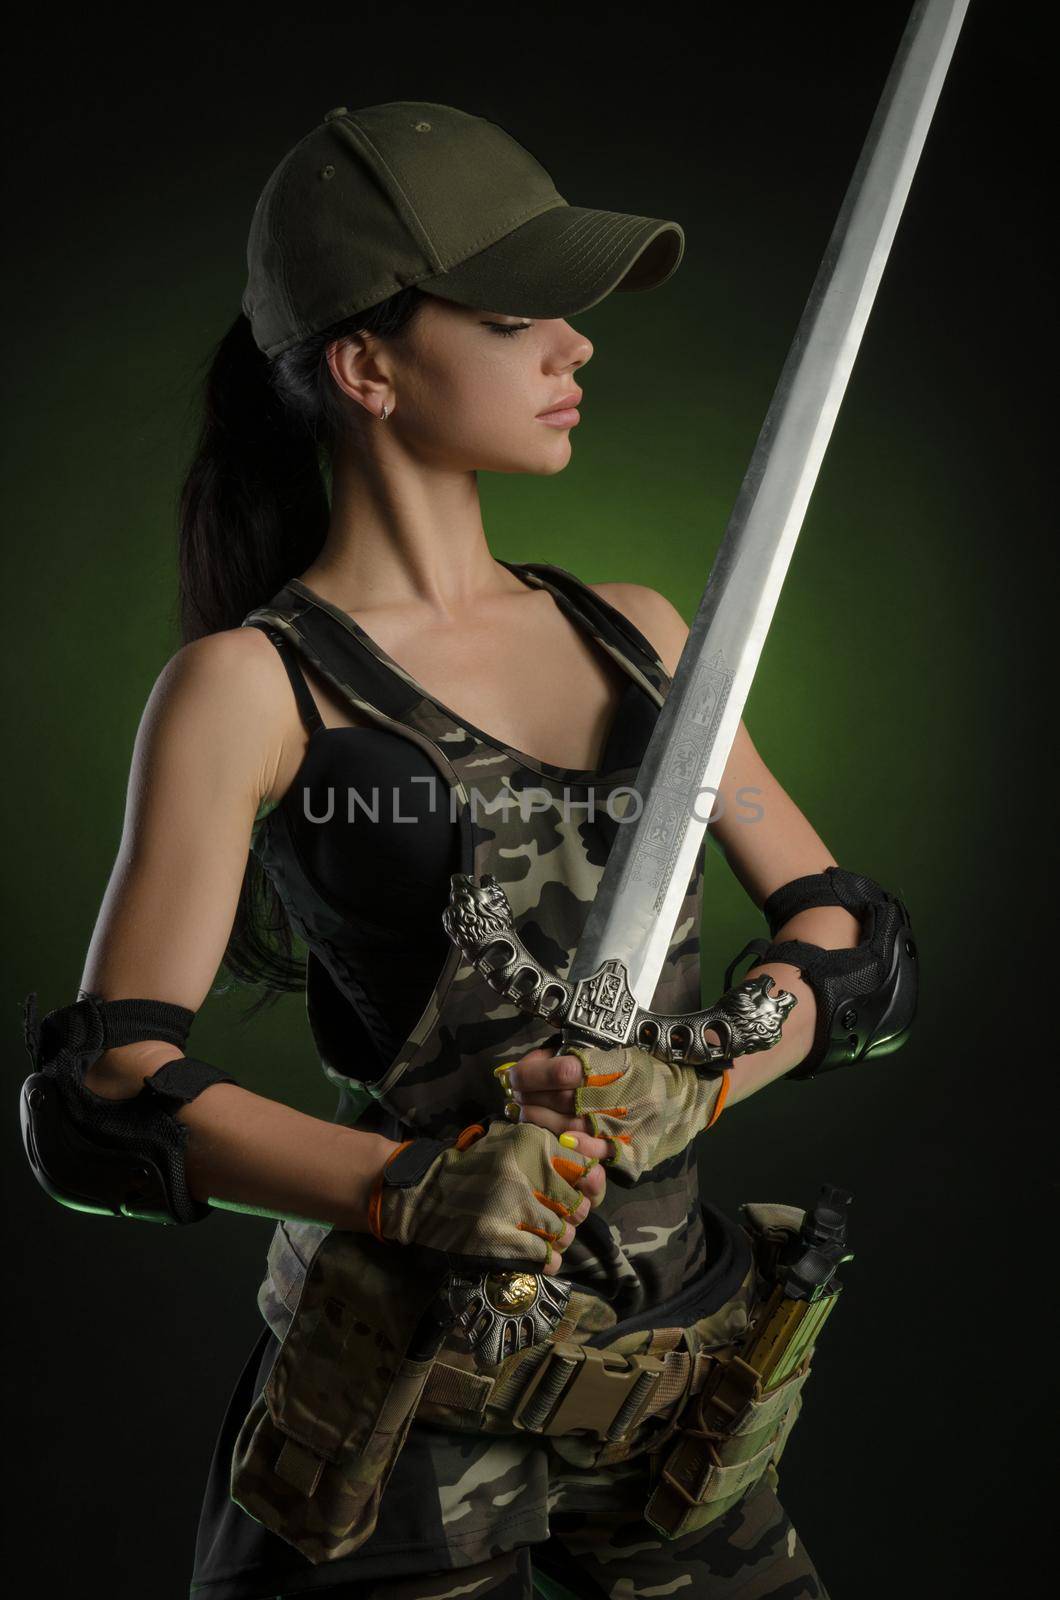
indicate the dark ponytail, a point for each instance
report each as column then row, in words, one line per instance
column 253, row 513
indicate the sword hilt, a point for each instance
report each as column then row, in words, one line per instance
column 601, row 1009
column 505, row 1311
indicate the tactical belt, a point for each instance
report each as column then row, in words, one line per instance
column 574, row 1388
column 690, row 1391
column 313, row 1469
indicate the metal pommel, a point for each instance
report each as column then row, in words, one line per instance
column 500, row 1312
column 601, row 1009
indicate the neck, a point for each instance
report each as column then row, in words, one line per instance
column 405, row 539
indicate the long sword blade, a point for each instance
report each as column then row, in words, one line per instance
column 653, row 856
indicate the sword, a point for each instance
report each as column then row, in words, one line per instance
column 606, row 998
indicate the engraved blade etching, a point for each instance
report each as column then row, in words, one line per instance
column 662, row 827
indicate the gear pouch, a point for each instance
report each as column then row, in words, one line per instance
column 315, row 1452
column 733, row 1432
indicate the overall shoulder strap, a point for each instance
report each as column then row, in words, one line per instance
column 604, row 618
column 318, row 631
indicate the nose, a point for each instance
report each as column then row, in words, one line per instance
column 583, row 349
column 573, row 349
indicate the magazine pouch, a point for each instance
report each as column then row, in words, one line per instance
column 733, row 1430
column 316, row 1450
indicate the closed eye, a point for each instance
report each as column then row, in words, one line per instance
column 508, row 327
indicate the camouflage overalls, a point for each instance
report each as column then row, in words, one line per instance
column 459, row 1501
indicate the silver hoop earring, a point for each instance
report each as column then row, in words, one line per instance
column 384, row 413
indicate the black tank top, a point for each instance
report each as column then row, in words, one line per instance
column 372, row 827
column 344, row 810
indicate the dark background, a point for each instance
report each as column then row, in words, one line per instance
column 899, row 700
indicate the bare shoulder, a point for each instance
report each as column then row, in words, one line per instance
column 658, row 620
column 218, row 703
column 231, row 674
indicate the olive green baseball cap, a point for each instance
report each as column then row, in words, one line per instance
column 410, row 192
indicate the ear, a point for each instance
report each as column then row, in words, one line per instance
column 355, row 365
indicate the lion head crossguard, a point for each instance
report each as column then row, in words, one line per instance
column 600, row 1009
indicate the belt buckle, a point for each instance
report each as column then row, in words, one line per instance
column 577, row 1389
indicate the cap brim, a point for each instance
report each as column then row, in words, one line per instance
column 563, row 261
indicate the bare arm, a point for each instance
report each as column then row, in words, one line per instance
column 206, row 756
column 763, row 854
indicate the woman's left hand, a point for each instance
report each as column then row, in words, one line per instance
column 636, row 1109
column 544, row 1085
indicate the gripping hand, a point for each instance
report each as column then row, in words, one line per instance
column 500, row 1197
column 649, row 1109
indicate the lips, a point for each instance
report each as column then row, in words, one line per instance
column 565, row 404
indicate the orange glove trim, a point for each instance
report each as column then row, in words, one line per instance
column 571, row 1171
column 541, row 1232
column 553, row 1205
column 721, row 1098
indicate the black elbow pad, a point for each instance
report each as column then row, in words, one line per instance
column 122, row 1158
column 866, row 997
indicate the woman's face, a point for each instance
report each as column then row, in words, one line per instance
column 466, row 387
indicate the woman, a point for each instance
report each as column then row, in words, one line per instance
column 412, row 270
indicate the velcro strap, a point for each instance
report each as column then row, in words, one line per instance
column 299, row 1467
column 91, row 1024
column 184, row 1079
column 456, row 1388
column 405, row 1166
column 801, row 894
column 672, row 1386
column 684, row 1376
column 807, row 957
column 129, row 1021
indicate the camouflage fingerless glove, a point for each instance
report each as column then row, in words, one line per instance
column 648, row 1110
column 485, row 1196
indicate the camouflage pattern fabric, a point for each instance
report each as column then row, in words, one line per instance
column 316, row 1450
column 545, row 833
column 649, row 1110
column 754, row 1553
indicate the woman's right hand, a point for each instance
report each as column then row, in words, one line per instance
column 508, row 1196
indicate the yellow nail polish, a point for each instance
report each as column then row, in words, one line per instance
column 569, row 1140
column 504, row 1066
